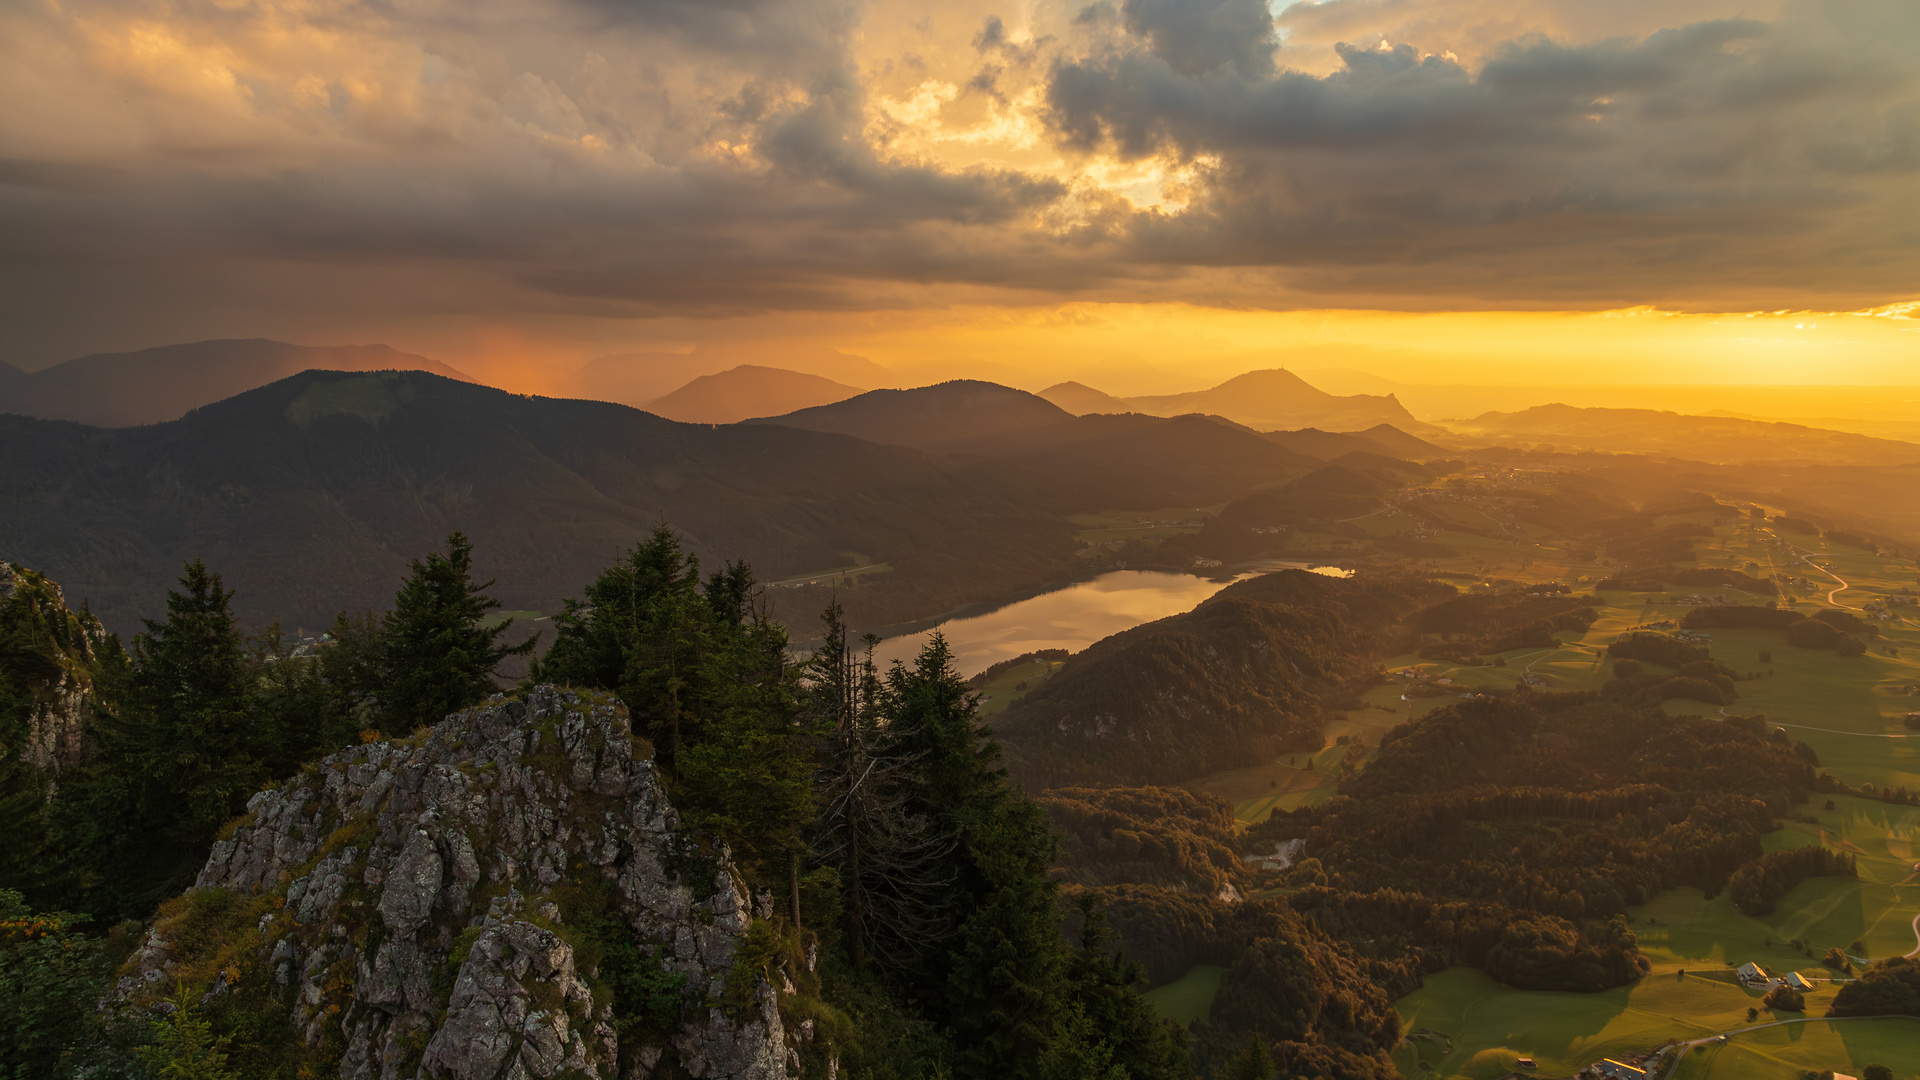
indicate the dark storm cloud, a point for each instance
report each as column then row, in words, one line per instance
column 649, row 156
column 1195, row 37
column 1700, row 159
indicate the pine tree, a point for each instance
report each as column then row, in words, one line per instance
column 645, row 631
column 1253, row 1063
column 998, row 980
column 437, row 654
column 894, row 868
column 705, row 676
column 745, row 779
column 182, row 758
column 302, row 714
column 184, row 1046
column 1105, row 988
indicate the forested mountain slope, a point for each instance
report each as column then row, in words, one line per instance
column 310, row 494
column 1246, row 675
column 961, row 416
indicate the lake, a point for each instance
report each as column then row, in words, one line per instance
column 1071, row 618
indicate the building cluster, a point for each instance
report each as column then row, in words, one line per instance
column 1758, row 978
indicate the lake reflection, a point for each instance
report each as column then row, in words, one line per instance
column 1074, row 617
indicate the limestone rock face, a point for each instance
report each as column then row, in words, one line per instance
column 411, row 899
column 67, row 647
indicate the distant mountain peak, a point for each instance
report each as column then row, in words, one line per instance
column 1277, row 399
column 1080, row 399
column 154, row 385
column 746, row 391
column 959, row 415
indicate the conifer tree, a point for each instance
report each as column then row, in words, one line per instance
column 705, row 676
column 1253, row 1063
column 645, row 632
column 895, row 869
column 1105, row 988
column 437, row 654
column 183, row 756
column 997, row 981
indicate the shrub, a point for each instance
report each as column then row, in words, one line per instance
column 1784, row 998
column 50, row 976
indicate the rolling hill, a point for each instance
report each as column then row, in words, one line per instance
column 1379, row 439
column 638, row 378
column 153, row 385
column 310, row 495
column 1713, row 439
column 962, row 416
column 1244, row 676
column 1081, row 399
column 1278, row 399
column 746, row 391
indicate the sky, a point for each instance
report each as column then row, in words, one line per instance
column 1141, row 192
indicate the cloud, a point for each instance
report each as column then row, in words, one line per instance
column 630, row 158
column 1696, row 162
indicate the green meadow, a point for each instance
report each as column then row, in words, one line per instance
column 1006, row 687
column 1464, row 1026
column 1783, row 1053
column 1190, row 997
column 1285, row 783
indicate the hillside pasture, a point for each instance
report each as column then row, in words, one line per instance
column 1190, row 997
column 1785, row 1052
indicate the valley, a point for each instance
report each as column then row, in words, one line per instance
column 862, row 540
column 1279, row 658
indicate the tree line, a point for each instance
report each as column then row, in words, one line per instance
column 870, row 802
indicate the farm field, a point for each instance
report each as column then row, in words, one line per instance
column 1190, row 997
column 1255, row 792
column 1478, row 1029
column 1850, row 710
column 1783, row 1053
column 1106, row 526
column 1464, row 1026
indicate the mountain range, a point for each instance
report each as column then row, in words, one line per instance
column 1712, row 439
column 152, row 385
column 1271, row 399
column 310, row 494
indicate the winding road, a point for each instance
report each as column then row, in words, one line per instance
column 1808, row 559
column 1684, row 1047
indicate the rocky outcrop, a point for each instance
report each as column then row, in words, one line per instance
column 57, row 653
column 478, row 902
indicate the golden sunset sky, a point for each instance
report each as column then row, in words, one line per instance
column 1144, row 194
